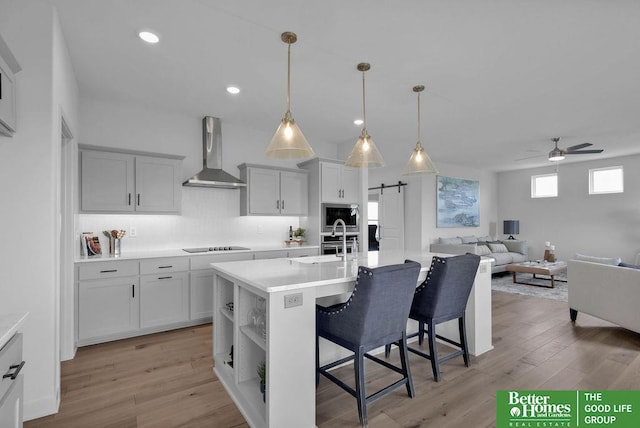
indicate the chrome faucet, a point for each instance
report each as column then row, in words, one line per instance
column 344, row 237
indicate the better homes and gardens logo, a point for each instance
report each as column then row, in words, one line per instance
column 536, row 408
column 542, row 409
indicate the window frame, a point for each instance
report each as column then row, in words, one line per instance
column 534, row 195
column 608, row 168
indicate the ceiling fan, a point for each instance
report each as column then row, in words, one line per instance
column 558, row 154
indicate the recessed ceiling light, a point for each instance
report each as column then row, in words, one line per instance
column 149, row 36
column 233, row 90
column 358, row 122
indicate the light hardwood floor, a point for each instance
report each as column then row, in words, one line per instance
column 166, row 379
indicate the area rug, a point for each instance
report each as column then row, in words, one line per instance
column 504, row 282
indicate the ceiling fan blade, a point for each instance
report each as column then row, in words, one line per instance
column 576, row 147
column 584, row 152
column 529, row 157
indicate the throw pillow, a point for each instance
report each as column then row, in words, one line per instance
column 483, row 250
column 485, row 238
column 468, row 239
column 629, row 265
column 498, row 248
column 450, row 241
column 602, row 260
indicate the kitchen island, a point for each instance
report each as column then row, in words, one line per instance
column 264, row 311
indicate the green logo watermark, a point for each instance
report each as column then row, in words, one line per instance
column 545, row 409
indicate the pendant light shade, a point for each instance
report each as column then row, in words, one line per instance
column 288, row 142
column 365, row 154
column 419, row 162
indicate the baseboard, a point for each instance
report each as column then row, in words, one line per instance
column 41, row 407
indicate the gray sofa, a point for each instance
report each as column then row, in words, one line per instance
column 503, row 252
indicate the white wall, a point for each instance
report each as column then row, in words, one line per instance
column 420, row 203
column 209, row 216
column 29, row 183
column 598, row 225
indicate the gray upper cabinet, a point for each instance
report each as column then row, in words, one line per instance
column 273, row 191
column 157, row 184
column 8, row 68
column 339, row 183
column 112, row 182
column 107, row 181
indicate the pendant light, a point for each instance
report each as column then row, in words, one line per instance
column 419, row 162
column 288, row 142
column 365, row 154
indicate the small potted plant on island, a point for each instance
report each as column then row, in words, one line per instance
column 262, row 375
column 299, row 235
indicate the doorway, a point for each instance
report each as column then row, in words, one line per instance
column 386, row 217
column 66, row 227
column 373, row 220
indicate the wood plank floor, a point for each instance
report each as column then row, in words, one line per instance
column 166, row 379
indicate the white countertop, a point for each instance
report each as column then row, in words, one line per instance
column 178, row 252
column 9, row 325
column 276, row 275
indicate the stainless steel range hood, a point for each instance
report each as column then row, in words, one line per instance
column 212, row 174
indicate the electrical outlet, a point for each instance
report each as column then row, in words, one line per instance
column 292, row 300
column 133, row 231
column 260, row 229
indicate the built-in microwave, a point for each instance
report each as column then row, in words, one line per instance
column 348, row 213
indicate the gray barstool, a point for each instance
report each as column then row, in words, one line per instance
column 375, row 315
column 443, row 297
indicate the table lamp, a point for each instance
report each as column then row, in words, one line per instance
column 511, row 227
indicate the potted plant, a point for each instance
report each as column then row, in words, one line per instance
column 299, row 234
column 262, row 375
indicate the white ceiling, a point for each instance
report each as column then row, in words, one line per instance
column 503, row 77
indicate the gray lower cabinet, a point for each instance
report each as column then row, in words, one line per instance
column 201, row 281
column 11, row 384
column 164, row 299
column 126, row 298
column 108, row 299
column 107, row 307
column 201, row 294
column 11, row 405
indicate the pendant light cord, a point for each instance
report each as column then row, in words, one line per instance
column 289, row 77
column 364, row 111
column 419, row 117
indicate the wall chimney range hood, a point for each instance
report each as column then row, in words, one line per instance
column 212, row 174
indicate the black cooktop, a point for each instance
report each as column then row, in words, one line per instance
column 211, row 249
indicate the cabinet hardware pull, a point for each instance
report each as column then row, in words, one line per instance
column 283, row 204
column 165, row 267
column 17, row 369
column 133, row 291
column 165, row 277
column 278, row 204
column 138, row 199
column 129, row 198
column 338, row 192
column 109, row 271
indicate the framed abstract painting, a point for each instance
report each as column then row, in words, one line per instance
column 457, row 202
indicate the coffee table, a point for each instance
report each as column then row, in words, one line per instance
column 540, row 268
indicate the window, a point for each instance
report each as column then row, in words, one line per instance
column 606, row 180
column 544, row 186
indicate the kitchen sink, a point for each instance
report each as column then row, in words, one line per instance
column 317, row 259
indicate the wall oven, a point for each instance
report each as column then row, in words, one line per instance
column 333, row 244
column 346, row 212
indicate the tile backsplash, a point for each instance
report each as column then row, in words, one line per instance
column 209, row 217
